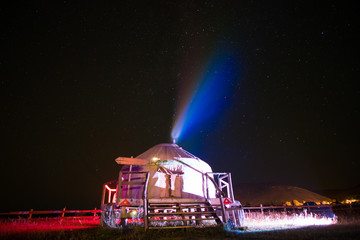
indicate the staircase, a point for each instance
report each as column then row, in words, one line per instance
column 184, row 214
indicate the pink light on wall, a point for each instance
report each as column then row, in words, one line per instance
column 110, row 191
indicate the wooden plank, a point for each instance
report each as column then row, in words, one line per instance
column 145, row 197
column 119, row 192
column 177, row 200
column 103, row 195
column 111, row 182
column 279, row 207
column 182, row 207
column 131, row 183
column 199, row 226
column 185, row 219
column 50, row 212
column 179, row 213
column 164, row 207
column 129, row 179
column 130, row 161
column 134, row 172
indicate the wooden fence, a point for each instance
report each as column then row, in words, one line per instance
column 285, row 208
column 52, row 212
column 94, row 212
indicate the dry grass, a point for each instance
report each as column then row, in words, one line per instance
column 280, row 220
column 80, row 228
column 337, row 231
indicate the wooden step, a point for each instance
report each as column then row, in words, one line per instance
column 177, row 201
column 133, row 172
column 184, row 219
column 132, row 183
column 182, row 203
column 179, row 213
column 179, row 207
column 182, row 211
column 175, row 207
column 174, row 227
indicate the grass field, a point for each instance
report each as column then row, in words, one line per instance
column 347, row 227
column 337, row 231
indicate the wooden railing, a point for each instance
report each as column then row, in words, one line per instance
column 95, row 212
column 51, row 212
column 285, row 207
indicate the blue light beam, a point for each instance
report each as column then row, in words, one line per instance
column 210, row 97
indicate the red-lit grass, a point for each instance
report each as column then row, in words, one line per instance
column 11, row 226
column 336, row 231
column 87, row 228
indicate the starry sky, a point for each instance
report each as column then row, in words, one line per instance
column 84, row 83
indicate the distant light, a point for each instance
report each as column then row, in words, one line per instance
column 155, row 158
column 349, row 201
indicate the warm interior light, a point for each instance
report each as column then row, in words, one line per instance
column 133, row 213
column 155, row 158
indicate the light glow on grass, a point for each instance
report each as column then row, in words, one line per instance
column 255, row 222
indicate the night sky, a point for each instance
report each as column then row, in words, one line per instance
column 82, row 84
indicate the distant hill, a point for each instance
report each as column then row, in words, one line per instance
column 342, row 194
column 267, row 194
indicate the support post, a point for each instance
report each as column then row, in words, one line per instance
column 103, row 195
column 234, row 217
column 95, row 212
column 31, row 213
column 119, row 189
column 63, row 212
column 129, row 187
column 231, row 188
column 146, row 216
column 223, row 210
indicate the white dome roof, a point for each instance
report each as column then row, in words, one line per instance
column 174, row 172
column 165, row 151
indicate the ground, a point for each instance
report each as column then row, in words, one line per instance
column 90, row 231
column 347, row 227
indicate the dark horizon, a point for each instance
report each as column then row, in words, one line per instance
column 82, row 84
